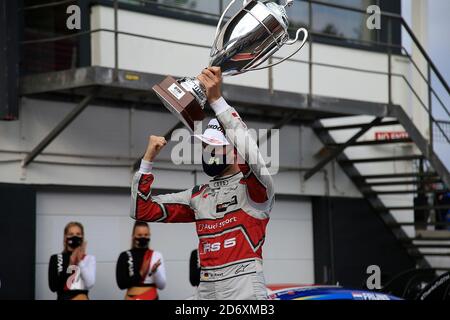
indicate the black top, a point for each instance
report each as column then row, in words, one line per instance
column 58, row 275
column 128, row 267
column 194, row 269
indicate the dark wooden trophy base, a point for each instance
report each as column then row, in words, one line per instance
column 179, row 101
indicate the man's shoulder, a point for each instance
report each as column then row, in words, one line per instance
column 198, row 189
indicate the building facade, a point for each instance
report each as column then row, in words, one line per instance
column 347, row 74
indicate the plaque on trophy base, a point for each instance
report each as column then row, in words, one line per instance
column 179, row 101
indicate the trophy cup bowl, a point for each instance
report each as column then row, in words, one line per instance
column 245, row 42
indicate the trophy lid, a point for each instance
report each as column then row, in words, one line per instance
column 250, row 37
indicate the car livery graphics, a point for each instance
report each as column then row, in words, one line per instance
column 327, row 293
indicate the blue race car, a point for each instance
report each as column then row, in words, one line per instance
column 414, row 284
column 327, row 293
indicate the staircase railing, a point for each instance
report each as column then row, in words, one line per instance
column 389, row 46
column 431, row 67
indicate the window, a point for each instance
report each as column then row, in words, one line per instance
column 47, row 22
column 343, row 23
column 188, row 7
column 342, row 26
column 334, row 21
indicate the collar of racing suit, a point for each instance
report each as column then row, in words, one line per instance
column 218, row 183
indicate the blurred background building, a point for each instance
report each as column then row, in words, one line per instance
column 364, row 137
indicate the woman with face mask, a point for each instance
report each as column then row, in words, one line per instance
column 140, row 270
column 71, row 274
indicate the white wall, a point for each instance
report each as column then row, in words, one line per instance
column 289, row 248
column 180, row 60
column 98, row 148
column 288, row 252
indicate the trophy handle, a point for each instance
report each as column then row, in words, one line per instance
column 288, row 42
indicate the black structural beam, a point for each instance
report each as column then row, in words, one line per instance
column 335, row 152
column 9, row 60
column 284, row 121
column 68, row 119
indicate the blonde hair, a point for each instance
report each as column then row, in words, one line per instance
column 136, row 225
column 66, row 230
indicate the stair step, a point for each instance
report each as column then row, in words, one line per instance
column 412, row 224
column 376, row 192
column 430, row 246
column 385, row 159
column 431, row 254
column 403, row 182
column 397, row 175
column 400, row 208
column 372, row 142
column 356, row 126
column 436, row 239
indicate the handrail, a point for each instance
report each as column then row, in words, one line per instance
column 424, row 53
column 403, row 23
column 275, row 57
column 426, row 81
column 317, row 2
column 389, row 45
column 46, row 5
column 156, row 4
column 349, row 8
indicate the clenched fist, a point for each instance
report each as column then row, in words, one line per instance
column 211, row 78
column 155, row 144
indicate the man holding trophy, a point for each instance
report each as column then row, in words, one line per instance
column 231, row 212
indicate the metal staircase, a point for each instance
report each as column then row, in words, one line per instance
column 373, row 186
column 114, row 85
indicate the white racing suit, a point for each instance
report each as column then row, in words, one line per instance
column 231, row 214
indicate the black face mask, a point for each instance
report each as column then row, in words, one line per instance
column 142, row 242
column 74, row 242
column 213, row 165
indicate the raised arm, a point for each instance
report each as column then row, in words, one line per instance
column 256, row 175
column 158, row 271
column 88, row 267
column 171, row 208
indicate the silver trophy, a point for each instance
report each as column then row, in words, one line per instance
column 243, row 44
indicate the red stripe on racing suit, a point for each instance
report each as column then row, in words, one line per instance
column 238, row 205
column 236, row 236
